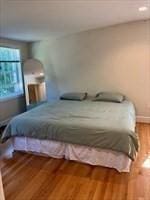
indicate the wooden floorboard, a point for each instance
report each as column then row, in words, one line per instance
column 29, row 177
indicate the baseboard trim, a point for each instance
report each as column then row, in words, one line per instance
column 143, row 119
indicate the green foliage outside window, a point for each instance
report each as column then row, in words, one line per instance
column 10, row 72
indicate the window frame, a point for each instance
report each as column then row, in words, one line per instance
column 14, row 96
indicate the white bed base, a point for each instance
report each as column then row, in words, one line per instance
column 84, row 154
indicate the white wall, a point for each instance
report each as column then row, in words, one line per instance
column 41, row 51
column 42, row 91
column 28, row 79
column 115, row 58
column 16, row 105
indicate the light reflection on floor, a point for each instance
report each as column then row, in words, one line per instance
column 146, row 163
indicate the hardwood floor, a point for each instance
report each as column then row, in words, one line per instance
column 1, row 189
column 29, row 177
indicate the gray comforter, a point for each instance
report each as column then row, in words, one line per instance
column 103, row 125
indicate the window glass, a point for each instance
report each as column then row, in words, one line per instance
column 11, row 83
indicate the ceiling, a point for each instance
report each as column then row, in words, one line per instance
column 32, row 20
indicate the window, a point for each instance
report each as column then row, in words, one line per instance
column 11, row 83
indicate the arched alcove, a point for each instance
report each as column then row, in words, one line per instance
column 34, row 80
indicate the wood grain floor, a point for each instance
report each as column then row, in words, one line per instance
column 29, row 177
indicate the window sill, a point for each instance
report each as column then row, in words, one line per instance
column 9, row 98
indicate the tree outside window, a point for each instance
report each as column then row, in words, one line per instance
column 11, row 83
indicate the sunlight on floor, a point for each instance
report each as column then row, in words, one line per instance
column 146, row 163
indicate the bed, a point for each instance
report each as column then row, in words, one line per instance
column 97, row 133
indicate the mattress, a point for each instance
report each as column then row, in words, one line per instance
column 89, row 155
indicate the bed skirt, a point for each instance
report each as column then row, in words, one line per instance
column 84, row 154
